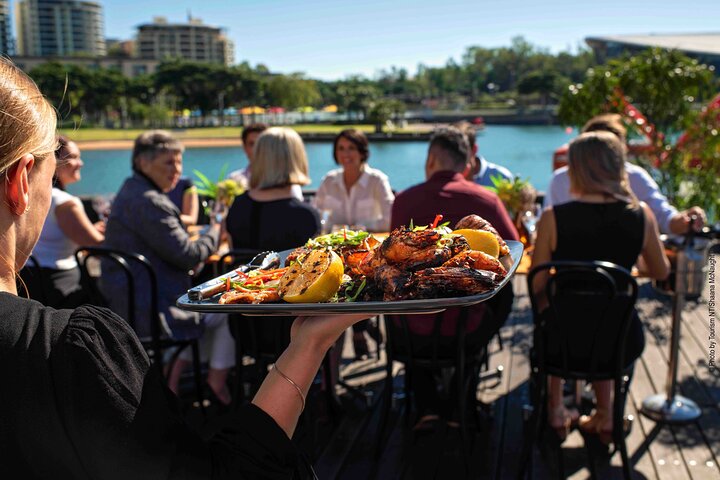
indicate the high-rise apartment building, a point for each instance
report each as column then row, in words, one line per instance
column 59, row 28
column 6, row 43
column 189, row 41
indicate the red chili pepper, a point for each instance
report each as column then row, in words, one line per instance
column 344, row 234
column 227, row 284
column 438, row 217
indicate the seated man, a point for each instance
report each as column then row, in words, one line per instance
column 641, row 183
column 447, row 192
column 481, row 171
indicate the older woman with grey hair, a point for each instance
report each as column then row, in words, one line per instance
column 144, row 220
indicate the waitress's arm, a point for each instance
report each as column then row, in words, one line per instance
column 311, row 338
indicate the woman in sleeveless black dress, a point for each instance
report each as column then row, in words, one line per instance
column 605, row 222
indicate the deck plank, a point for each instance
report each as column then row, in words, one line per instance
column 680, row 453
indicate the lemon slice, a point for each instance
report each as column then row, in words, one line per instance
column 481, row 240
column 314, row 280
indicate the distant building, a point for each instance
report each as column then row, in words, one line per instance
column 189, row 41
column 49, row 28
column 6, row 42
column 705, row 47
column 120, row 48
column 130, row 67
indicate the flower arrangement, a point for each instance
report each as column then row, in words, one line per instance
column 517, row 195
column 224, row 190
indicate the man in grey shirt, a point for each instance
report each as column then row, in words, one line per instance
column 670, row 220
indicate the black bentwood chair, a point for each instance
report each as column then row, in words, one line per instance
column 158, row 342
column 257, row 338
column 436, row 353
column 591, row 306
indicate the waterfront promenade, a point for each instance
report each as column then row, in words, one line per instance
column 680, row 453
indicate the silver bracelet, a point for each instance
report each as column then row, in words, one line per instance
column 297, row 387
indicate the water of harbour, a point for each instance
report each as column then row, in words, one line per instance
column 525, row 150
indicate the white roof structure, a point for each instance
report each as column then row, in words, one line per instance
column 702, row 43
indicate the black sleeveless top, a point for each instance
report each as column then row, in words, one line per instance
column 611, row 232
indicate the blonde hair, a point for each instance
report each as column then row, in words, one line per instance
column 596, row 164
column 280, row 160
column 27, row 120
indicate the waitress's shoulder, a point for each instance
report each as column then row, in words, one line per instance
column 30, row 328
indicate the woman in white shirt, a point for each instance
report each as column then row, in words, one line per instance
column 66, row 227
column 355, row 194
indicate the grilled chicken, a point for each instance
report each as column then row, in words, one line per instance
column 246, row 296
column 476, row 222
column 414, row 250
column 477, row 260
column 449, row 282
column 391, row 280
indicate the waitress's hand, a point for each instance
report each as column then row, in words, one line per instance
column 322, row 331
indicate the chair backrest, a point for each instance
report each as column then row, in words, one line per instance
column 124, row 261
column 407, row 341
column 583, row 333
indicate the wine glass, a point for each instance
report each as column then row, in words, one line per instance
column 101, row 204
column 529, row 220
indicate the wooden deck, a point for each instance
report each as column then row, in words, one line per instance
column 689, row 452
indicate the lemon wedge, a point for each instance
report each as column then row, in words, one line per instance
column 314, row 280
column 480, row 240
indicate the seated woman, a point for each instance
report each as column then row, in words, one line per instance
column 355, row 194
column 269, row 216
column 588, row 229
column 143, row 220
column 185, row 197
column 85, row 402
column 67, row 226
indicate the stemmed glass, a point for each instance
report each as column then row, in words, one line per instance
column 101, row 204
column 529, row 220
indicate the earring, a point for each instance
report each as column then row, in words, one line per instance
column 27, row 209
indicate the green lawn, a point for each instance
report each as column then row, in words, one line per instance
column 90, row 134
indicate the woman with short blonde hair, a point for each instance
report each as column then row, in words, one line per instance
column 281, row 160
column 269, row 216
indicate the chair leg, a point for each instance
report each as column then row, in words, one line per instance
column 197, row 374
column 463, row 387
column 386, row 404
column 407, row 386
column 621, row 388
column 532, row 425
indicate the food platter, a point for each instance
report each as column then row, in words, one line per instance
column 403, row 307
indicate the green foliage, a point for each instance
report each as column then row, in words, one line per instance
column 291, row 91
column 668, row 88
column 383, row 110
column 224, row 190
column 517, row 195
column 664, row 85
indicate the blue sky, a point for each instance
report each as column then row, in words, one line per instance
column 331, row 39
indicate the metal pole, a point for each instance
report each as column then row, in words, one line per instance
column 669, row 407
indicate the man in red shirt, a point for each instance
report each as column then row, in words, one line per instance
column 447, row 192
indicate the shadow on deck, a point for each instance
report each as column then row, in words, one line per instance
column 689, row 452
